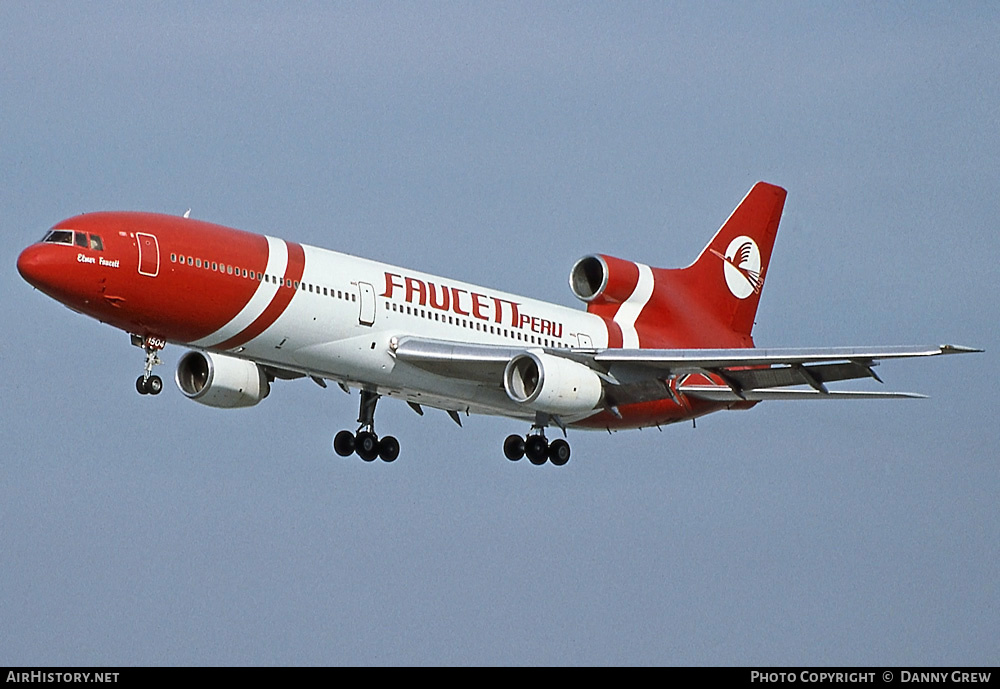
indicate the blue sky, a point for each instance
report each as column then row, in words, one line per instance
column 498, row 144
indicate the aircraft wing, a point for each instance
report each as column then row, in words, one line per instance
column 465, row 360
column 762, row 374
column 637, row 375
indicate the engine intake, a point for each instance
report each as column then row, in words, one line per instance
column 552, row 384
column 221, row 381
column 599, row 279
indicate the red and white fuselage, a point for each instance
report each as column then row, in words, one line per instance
column 654, row 346
column 304, row 309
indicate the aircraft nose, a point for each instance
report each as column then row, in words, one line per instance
column 36, row 266
column 27, row 263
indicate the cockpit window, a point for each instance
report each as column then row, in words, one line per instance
column 81, row 239
column 59, row 237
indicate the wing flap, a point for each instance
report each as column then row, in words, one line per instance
column 815, row 376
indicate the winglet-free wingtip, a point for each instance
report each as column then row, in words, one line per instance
column 958, row 349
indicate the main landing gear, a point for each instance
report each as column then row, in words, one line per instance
column 365, row 443
column 536, row 448
column 147, row 383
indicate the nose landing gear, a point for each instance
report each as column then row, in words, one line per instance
column 147, row 383
column 365, row 443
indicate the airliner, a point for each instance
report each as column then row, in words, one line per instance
column 653, row 346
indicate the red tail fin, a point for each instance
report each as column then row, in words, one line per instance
column 709, row 304
column 714, row 300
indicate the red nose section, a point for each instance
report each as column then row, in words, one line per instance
column 38, row 267
column 52, row 269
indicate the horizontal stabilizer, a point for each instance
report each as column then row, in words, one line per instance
column 719, row 393
column 693, row 360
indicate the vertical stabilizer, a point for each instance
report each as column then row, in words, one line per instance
column 709, row 304
column 714, row 300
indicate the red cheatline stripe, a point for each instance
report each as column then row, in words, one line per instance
column 293, row 271
column 614, row 333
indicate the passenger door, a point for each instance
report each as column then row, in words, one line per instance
column 366, row 315
column 149, row 254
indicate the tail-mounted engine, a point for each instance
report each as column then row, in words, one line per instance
column 221, row 381
column 552, row 384
column 598, row 279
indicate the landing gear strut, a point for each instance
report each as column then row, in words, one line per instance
column 147, row 383
column 536, row 448
column 365, row 443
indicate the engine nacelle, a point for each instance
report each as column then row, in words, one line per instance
column 598, row 279
column 552, row 384
column 221, row 381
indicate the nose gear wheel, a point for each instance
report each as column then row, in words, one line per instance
column 147, row 383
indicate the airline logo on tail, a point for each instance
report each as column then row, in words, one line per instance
column 741, row 267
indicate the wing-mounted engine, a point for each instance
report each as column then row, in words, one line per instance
column 599, row 279
column 221, row 381
column 552, row 384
